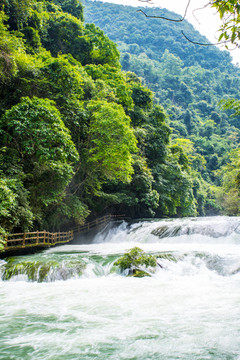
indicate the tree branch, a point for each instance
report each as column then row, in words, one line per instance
column 164, row 18
column 204, row 44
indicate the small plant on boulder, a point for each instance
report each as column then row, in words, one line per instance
column 136, row 263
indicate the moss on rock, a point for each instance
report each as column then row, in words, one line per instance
column 42, row 271
column 136, row 262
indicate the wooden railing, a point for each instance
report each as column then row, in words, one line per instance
column 37, row 239
column 93, row 224
column 46, row 239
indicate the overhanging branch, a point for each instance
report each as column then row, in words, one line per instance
column 204, row 44
column 165, row 18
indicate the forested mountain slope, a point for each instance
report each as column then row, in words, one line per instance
column 80, row 137
column 127, row 26
column 188, row 80
column 77, row 135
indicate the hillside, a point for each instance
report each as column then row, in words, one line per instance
column 82, row 138
column 79, row 137
column 154, row 36
column 188, row 80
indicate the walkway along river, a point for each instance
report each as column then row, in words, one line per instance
column 70, row 302
column 42, row 239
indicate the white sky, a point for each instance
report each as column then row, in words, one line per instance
column 206, row 21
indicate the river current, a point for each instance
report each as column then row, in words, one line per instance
column 82, row 308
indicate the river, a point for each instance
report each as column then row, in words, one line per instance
column 69, row 302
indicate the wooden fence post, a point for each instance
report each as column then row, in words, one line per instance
column 24, row 239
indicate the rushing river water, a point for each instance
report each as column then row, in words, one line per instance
column 70, row 303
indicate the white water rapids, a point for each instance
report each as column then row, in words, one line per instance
column 189, row 309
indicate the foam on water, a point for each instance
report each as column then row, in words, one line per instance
column 189, row 309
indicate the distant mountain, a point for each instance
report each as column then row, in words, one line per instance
column 126, row 25
column 188, row 80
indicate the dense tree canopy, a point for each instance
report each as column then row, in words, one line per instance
column 187, row 82
column 80, row 136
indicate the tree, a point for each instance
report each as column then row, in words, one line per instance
column 18, row 12
column 188, row 81
column 9, row 44
column 103, row 50
column 171, row 64
column 15, row 209
column 112, row 141
column 65, row 34
column 229, row 193
column 73, row 7
column 37, row 148
column 137, row 199
column 113, row 79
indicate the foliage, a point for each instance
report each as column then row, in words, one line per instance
column 229, row 12
column 111, row 141
column 37, row 144
column 42, row 270
column 78, row 136
column 232, row 104
column 189, row 85
column 138, row 198
column 175, row 189
column 9, row 44
column 229, row 193
column 150, row 38
column 103, row 51
column 65, row 34
column 18, row 12
column 12, row 211
column 73, row 7
column 136, row 262
column 113, row 79
column 38, row 157
column 15, row 211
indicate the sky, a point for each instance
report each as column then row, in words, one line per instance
column 205, row 20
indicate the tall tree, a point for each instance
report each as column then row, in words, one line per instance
column 37, row 148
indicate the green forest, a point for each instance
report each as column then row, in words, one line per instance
column 198, row 87
column 85, row 131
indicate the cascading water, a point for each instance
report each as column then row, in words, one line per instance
column 71, row 302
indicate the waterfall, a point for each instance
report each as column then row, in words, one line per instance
column 72, row 302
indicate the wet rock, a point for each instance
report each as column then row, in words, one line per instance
column 165, row 231
column 234, row 272
column 138, row 273
column 166, row 256
column 177, row 230
column 41, row 271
